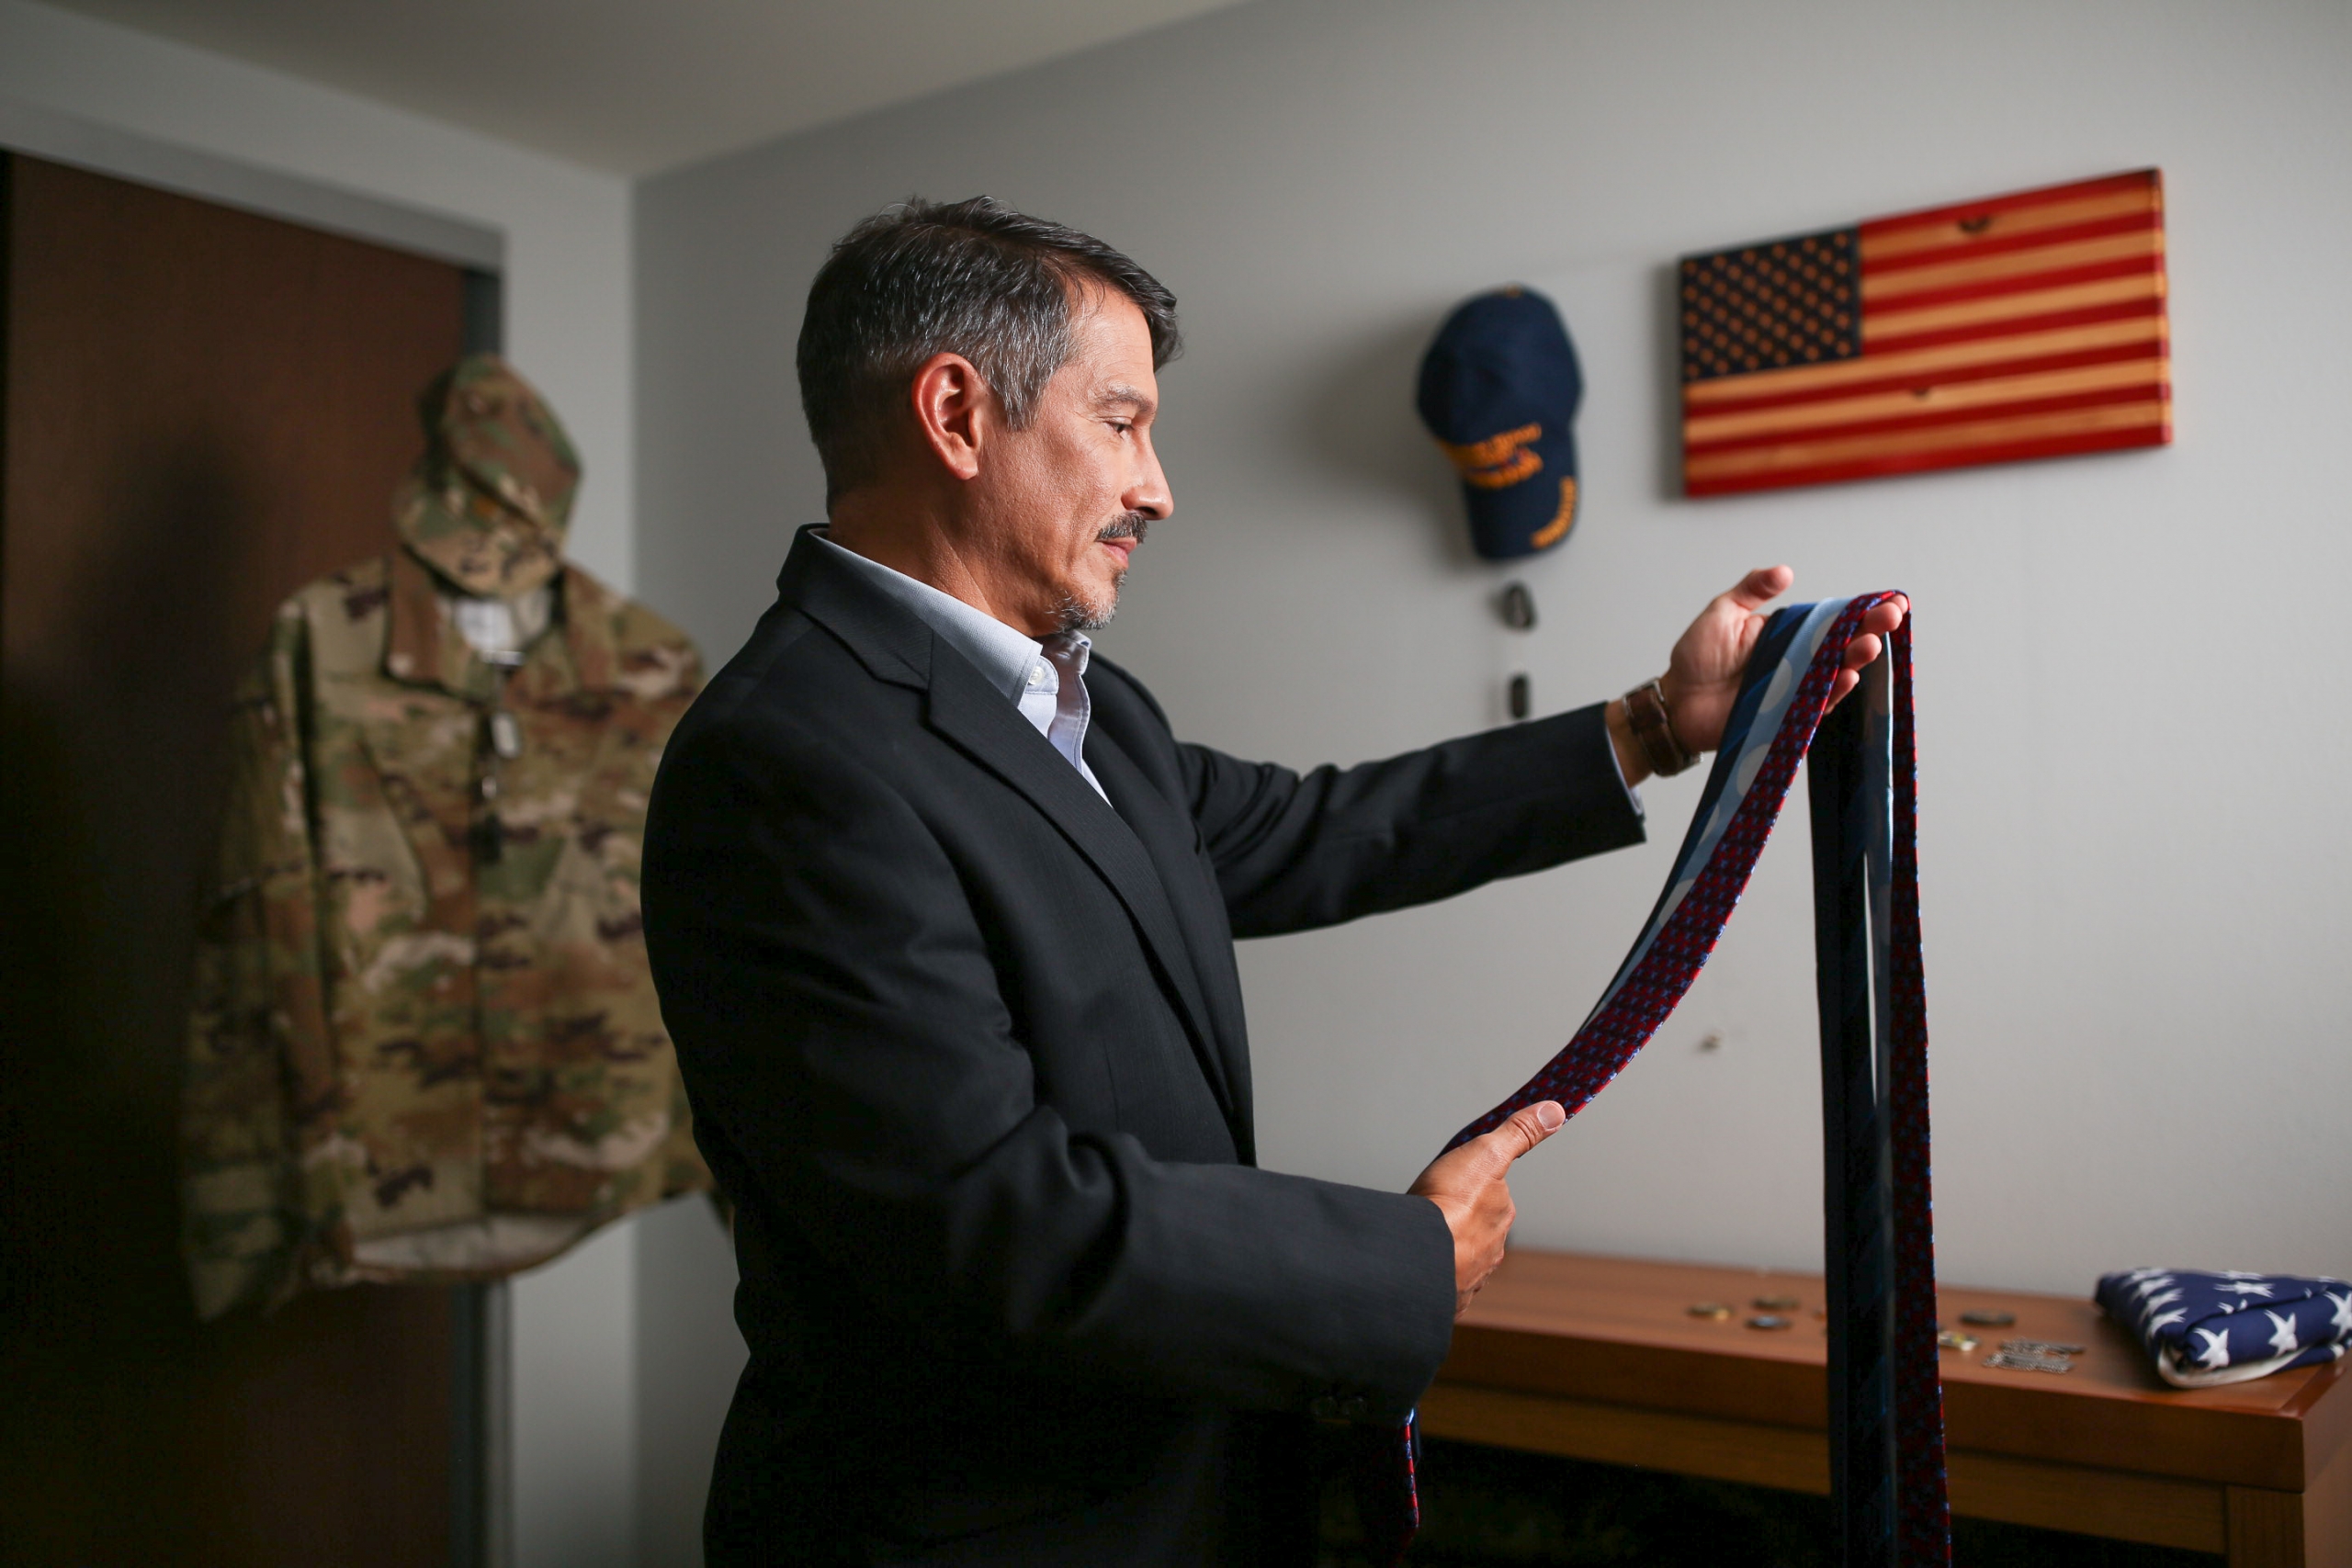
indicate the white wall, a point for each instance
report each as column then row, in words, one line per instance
column 568, row 326
column 688, row 1357
column 2132, row 676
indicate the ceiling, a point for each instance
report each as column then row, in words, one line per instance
column 636, row 86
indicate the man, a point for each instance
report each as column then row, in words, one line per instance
column 942, row 918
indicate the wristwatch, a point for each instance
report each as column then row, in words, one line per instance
column 1653, row 726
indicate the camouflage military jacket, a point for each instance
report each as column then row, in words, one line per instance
column 425, row 1043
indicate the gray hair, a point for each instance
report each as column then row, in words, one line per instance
column 972, row 277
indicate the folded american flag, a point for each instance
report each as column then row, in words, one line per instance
column 2214, row 1328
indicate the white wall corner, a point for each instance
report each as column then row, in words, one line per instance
column 574, row 1417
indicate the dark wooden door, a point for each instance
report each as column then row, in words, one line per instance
column 204, row 409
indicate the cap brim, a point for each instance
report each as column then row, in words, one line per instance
column 1532, row 515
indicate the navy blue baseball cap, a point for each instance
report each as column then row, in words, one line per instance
column 1500, row 390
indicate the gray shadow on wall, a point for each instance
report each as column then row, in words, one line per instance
column 1666, row 346
column 1356, row 420
column 689, row 1357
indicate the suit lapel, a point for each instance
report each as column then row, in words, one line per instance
column 967, row 711
column 898, row 648
column 1169, row 838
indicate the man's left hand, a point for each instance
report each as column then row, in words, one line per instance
column 1703, row 674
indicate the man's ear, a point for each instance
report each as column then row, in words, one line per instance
column 954, row 412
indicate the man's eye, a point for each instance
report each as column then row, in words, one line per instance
column 1121, row 426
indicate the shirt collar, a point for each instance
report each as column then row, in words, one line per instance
column 424, row 646
column 1003, row 657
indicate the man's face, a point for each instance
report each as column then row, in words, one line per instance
column 1069, row 499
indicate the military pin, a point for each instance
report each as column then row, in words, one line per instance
column 1985, row 1317
column 2040, row 1347
column 2019, row 1361
column 1769, row 1320
column 1517, row 697
column 1774, row 1303
column 1517, row 607
column 1716, row 1310
column 1957, row 1339
column 505, row 735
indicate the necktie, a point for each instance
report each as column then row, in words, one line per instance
column 1886, row 1397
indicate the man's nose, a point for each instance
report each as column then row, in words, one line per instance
column 1148, row 491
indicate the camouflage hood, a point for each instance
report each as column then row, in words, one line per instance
column 487, row 504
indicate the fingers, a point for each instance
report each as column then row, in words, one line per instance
column 1484, row 1161
column 1480, row 1214
column 1862, row 651
column 1858, row 654
column 1879, row 620
column 1767, row 583
column 1760, row 587
column 1527, row 1126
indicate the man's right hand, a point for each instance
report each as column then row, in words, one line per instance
column 1471, row 1187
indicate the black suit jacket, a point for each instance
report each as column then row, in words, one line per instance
column 965, row 1047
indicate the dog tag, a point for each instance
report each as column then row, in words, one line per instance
column 2040, row 1347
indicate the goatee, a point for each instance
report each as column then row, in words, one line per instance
column 1077, row 615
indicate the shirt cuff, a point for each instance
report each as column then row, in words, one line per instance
column 1633, row 796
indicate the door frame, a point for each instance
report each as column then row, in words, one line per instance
column 42, row 133
column 481, row 1445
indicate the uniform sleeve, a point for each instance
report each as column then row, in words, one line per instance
column 856, row 1077
column 664, row 667
column 1294, row 851
column 257, row 1036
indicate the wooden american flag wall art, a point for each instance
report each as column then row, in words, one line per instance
column 2029, row 326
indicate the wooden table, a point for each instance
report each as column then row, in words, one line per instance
column 1600, row 1358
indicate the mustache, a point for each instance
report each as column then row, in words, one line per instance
column 1132, row 526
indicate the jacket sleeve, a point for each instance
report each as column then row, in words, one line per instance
column 854, row 1066
column 1294, row 851
column 257, row 1027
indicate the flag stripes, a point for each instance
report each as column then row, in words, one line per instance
column 2024, row 326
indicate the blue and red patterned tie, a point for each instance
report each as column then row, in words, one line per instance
column 1886, row 1397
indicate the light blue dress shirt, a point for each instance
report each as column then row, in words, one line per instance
column 1046, row 681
